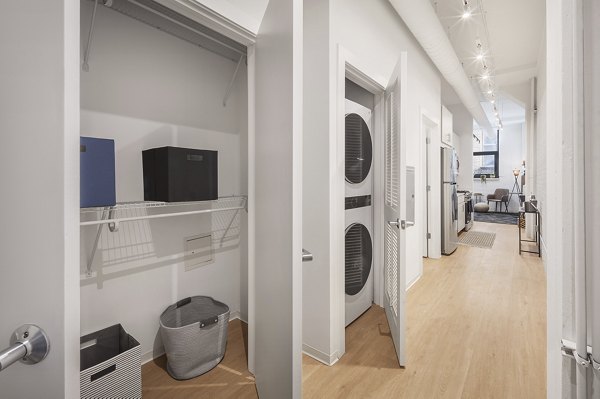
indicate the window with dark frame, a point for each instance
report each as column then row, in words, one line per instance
column 486, row 158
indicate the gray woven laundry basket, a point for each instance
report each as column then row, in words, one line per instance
column 194, row 332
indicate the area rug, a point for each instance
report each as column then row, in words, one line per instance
column 480, row 239
column 497, row 217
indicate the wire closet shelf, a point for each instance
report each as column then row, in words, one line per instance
column 144, row 210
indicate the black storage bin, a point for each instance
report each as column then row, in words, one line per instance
column 173, row 174
column 111, row 365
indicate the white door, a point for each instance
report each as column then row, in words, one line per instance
column 278, row 202
column 395, row 209
column 427, row 191
column 39, row 171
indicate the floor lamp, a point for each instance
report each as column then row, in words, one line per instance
column 516, row 187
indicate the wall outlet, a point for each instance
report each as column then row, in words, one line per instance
column 198, row 251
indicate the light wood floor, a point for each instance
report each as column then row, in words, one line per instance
column 476, row 329
column 230, row 379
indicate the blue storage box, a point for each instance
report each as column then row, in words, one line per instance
column 97, row 172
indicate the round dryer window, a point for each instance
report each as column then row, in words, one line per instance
column 359, row 255
column 359, row 149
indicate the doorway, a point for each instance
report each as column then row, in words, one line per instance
column 429, row 128
column 389, row 200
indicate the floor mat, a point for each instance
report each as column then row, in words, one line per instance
column 497, row 217
column 480, row 239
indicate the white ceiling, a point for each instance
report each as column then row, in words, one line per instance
column 511, row 33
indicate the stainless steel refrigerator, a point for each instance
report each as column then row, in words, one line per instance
column 449, row 201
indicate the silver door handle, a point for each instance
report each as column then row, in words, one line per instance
column 28, row 343
column 306, row 256
column 406, row 224
column 394, row 223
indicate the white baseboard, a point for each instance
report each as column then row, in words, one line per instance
column 149, row 356
column 236, row 314
column 322, row 357
column 414, row 281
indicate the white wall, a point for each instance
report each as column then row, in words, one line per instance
column 375, row 36
column 557, row 155
column 462, row 123
column 511, row 156
column 40, row 189
column 554, row 169
column 317, row 187
column 147, row 89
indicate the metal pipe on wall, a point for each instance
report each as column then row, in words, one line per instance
column 579, row 236
column 421, row 19
column 591, row 76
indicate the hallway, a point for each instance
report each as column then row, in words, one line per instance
column 476, row 329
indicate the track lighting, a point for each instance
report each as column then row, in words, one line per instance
column 466, row 10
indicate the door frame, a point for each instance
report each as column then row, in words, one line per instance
column 72, row 111
column 251, row 59
column 349, row 66
column 217, row 22
column 427, row 120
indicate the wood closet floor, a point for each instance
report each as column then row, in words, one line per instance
column 476, row 329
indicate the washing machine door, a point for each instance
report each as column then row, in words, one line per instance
column 359, row 149
column 359, row 258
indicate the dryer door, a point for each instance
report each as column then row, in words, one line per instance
column 359, row 149
column 359, row 257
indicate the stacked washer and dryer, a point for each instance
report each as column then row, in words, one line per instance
column 359, row 284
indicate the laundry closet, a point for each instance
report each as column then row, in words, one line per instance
column 358, row 203
column 151, row 79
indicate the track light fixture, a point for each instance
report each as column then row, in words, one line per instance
column 467, row 13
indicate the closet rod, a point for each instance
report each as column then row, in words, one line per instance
column 164, row 215
column 86, row 54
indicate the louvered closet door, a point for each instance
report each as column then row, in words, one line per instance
column 394, row 207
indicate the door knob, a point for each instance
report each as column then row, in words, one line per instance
column 306, row 256
column 406, row 224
